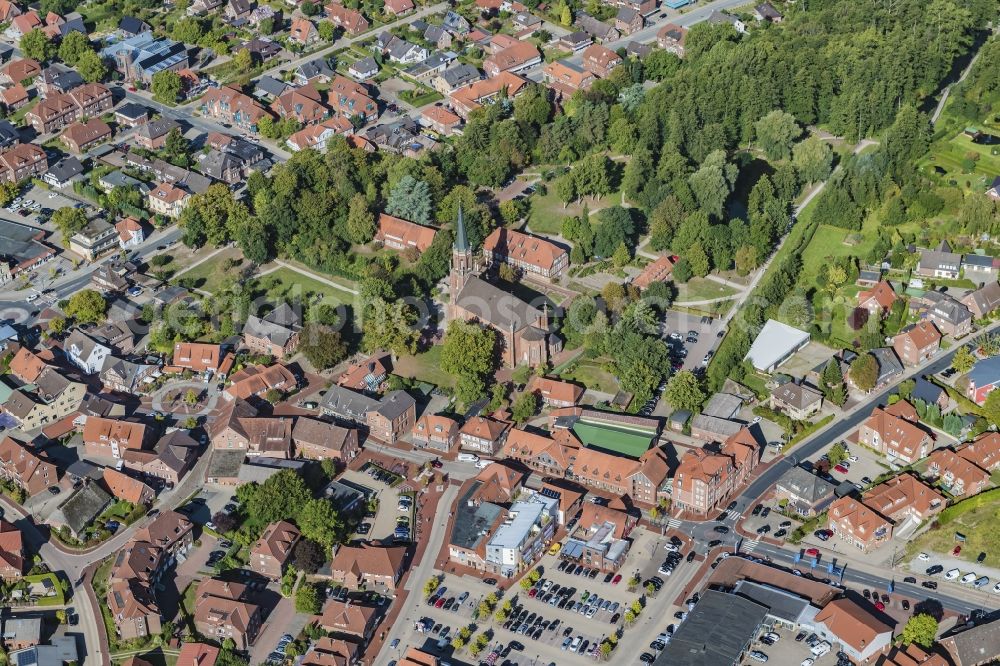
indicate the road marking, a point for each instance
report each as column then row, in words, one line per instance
column 674, row 523
column 749, row 546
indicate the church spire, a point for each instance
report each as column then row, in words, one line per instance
column 461, row 241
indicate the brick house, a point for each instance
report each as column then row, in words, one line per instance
column 60, row 110
column 368, row 565
column 481, row 434
column 956, row 474
column 319, row 440
column 228, row 104
column 556, row 393
column 197, row 356
column 705, row 479
column 272, row 551
column 22, row 467
column 917, row 343
column 533, row 256
column 23, row 161
column 857, row 524
column 393, row 418
column 110, row 438
column 878, row 300
column 894, row 432
column 222, row 611
column 434, row 431
column 81, row 136
column 600, row 60
column 353, row 22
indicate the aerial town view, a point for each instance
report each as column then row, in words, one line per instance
column 499, row 332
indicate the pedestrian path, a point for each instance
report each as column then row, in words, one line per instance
column 674, row 523
column 749, row 546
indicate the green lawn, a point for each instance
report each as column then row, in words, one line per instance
column 285, row 284
column 425, row 367
column 618, row 440
column 589, row 373
column 59, row 599
column 547, row 212
column 949, row 153
column 700, row 289
column 212, row 274
column 978, row 525
column 827, row 243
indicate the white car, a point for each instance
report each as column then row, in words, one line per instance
column 820, row 649
column 952, row 574
column 773, row 636
column 756, row 420
column 31, row 298
column 969, row 577
column 923, row 557
column 757, row 655
column 996, row 588
column 808, row 661
column 853, row 458
column 670, row 548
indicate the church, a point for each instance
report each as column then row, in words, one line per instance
column 523, row 327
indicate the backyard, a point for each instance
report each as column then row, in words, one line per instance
column 700, row 289
column 425, row 367
column 589, row 373
column 284, row 283
column 547, row 212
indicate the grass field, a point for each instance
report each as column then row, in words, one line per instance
column 547, row 212
column 425, row 367
column 827, row 243
column 978, row 524
column 950, row 152
column 592, row 375
column 699, row 289
column 212, row 274
column 285, row 284
column 617, row 440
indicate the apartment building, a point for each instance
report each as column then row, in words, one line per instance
column 857, row 524
column 272, row 551
column 110, row 438
column 62, row 109
column 704, row 479
column 532, row 256
column 894, row 432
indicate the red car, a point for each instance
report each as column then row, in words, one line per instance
column 617, row 579
column 841, row 469
column 436, row 464
column 812, row 552
column 958, row 549
column 440, row 602
column 533, row 591
column 879, row 606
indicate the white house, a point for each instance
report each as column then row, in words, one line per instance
column 86, row 353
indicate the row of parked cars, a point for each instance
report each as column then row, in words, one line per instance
column 572, row 568
column 564, row 597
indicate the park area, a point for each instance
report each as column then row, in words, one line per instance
column 547, row 211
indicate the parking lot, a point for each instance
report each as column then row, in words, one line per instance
column 689, row 351
column 788, row 651
column 387, row 518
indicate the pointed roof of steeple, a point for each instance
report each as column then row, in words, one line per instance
column 461, row 241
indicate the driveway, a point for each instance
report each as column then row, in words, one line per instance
column 282, row 620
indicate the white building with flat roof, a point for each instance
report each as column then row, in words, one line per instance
column 522, row 535
column 775, row 344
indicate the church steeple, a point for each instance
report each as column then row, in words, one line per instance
column 461, row 240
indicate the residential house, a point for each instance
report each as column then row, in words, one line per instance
column 303, row 32
column 400, row 234
column 130, row 233
column 456, row 23
column 515, row 58
column 85, row 352
column 12, row 553
column 48, row 400
column 971, row 644
column 276, row 334
column 766, row 12
column 81, row 509
column 643, row 480
column 95, row 239
column 600, row 60
column 473, row 96
column 600, row 539
column 857, row 524
column 129, row 26
column 566, row 78
column 62, row 109
column 894, row 431
column 198, row 357
column 351, row 100
column 861, row 634
column 327, row 651
column 807, row 494
column 223, row 610
column 134, row 609
column 124, row 487
column 532, row 256
column 22, row 162
column 368, row 375
column 983, row 301
column 314, row 71
column 951, row 317
column 983, row 451
column 126, row 376
column 197, row 654
column 57, row 79
column 168, row 199
column 983, row 378
column 256, row 380
column 481, row 434
column 153, row 134
column 238, row 426
column 353, row 22
column 398, row 8
column 798, row 401
column 229, row 105
column 434, row 431
column 167, row 461
column 455, row 77
column 723, row 18
column 22, row 24
column 304, row 104
column 64, row 172
column 350, row 619
column 20, row 71
column 319, row 440
column 939, row 264
column 393, row 417
column 8, row 11
column 956, row 474
column 14, row 97
column 905, row 498
column 273, row 550
column 364, row 68
column 597, row 29
column 110, row 438
column 368, row 565
column 704, row 479
column 629, row 20
column 980, row 268
column 878, row 300
column 555, row 393
column 81, row 136
column 25, row 468
column 440, row 120
column 574, row 41
column 237, row 10
column 917, row 343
